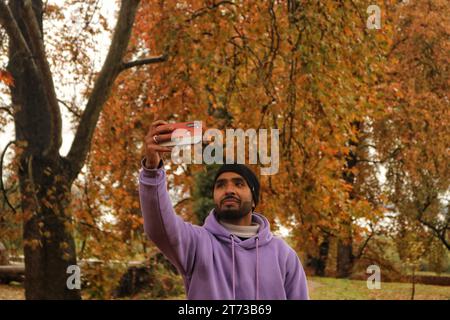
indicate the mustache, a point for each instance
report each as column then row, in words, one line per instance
column 228, row 198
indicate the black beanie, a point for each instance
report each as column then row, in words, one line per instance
column 246, row 173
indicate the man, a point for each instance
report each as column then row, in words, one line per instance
column 233, row 255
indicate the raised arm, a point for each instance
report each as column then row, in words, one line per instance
column 176, row 238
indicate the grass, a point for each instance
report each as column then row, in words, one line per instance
column 434, row 274
column 344, row 289
column 319, row 289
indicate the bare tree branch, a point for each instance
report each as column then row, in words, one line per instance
column 440, row 232
column 7, row 110
column 70, row 109
column 364, row 245
column 131, row 64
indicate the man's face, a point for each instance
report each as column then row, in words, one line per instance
column 232, row 196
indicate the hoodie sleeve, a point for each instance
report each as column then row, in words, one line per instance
column 176, row 238
column 296, row 285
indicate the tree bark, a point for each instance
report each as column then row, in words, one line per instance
column 319, row 264
column 4, row 258
column 49, row 246
column 345, row 259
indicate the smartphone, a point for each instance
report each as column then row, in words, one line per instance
column 190, row 132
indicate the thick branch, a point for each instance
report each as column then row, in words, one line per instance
column 364, row 245
column 440, row 233
column 36, row 42
column 131, row 64
column 102, row 87
column 12, row 29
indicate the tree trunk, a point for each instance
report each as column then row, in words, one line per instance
column 323, row 257
column 344, row 259
column 413, row 280
column 319, row 264
column 49, row 246
column 4, row 259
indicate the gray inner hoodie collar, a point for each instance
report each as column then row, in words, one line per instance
column 241, row 231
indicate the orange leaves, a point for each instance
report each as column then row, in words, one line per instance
column 328, row 150
column 348, row 31
column 52, row 9
column 6, row 78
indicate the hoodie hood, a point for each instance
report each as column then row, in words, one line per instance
column 264, row 234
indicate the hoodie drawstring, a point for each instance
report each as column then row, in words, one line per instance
column 257, row 267
column 234, row 277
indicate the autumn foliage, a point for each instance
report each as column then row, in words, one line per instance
column 363, row 118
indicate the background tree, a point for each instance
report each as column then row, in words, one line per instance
column 412, row 139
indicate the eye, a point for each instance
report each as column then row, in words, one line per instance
column 219, row 185
column 240, row 184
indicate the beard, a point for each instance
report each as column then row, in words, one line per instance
column 234, row 211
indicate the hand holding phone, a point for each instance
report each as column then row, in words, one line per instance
column 162, row 136
column 159, row 130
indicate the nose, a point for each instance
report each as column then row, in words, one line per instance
column 229, row 190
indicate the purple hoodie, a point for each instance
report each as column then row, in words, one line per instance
column 214, row 263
